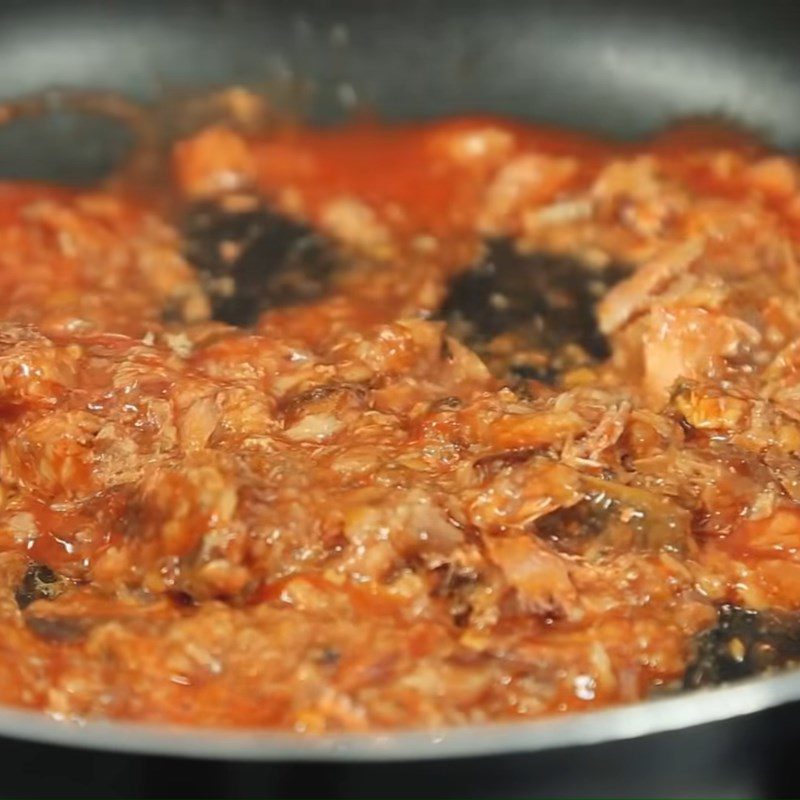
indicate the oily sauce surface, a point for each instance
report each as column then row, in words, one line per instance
column 341, row 517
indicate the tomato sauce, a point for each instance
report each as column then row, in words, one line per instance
column 387, row 503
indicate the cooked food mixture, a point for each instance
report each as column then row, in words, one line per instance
column 387, row 427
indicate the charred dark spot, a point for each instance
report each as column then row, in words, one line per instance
column 172, row 312
column 450, row 403
column 445, row 351
column 741, row 644
column 181, row 599
column 328, row 656
column 334, row 393
column 252, row 258
column 313, row 395
column 450, row 578
column 454, row 583
column 530, row 315
column 63, row 630
column 460, row 613
column 38, row 583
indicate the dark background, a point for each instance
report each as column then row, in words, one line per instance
column 620, row 67
column 750, row 757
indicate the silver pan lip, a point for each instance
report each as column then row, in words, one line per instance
column 622, row 722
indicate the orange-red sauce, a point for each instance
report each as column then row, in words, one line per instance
column 341, row 519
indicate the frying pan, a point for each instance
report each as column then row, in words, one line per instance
column 622, row 68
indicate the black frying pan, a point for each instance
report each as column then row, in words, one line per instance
column 624, row 68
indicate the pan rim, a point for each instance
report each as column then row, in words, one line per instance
column 632, row 721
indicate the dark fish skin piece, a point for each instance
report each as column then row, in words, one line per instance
column 540, row 302
column 572, row 530
column 42, row 583
column 743, row 643
column 60, row 630
column 252, row 258
column 38, row 583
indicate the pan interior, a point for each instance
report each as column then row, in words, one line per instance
column 621, row 68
